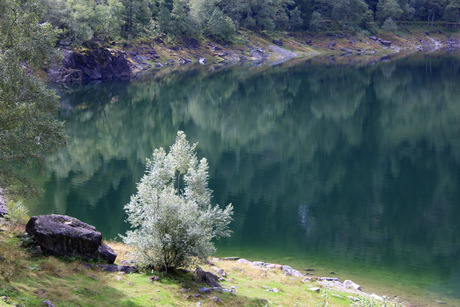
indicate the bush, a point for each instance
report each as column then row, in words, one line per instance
column 17, row 212
column 390, row 25
column 171, row 213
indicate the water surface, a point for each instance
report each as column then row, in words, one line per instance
column 331, row 167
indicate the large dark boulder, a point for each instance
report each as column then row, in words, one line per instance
column 95, row 64
column 65, row 235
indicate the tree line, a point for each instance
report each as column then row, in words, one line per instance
column 82, row 20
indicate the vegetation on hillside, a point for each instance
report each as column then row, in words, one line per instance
column 83, row 20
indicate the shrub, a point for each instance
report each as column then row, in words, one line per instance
column 171, row 213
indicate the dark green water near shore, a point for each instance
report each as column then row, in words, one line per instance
column 332, row 167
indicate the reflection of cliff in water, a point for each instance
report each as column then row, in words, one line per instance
column 361, row 162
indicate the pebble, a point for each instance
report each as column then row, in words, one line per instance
column 314, row 289
column 274, row 290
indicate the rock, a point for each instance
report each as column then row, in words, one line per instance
column 222, row 273
column 315, row 289
column 310, row 270
column 376, row 297
column 244, row 261
column 202, row 61
column 308, row 41
column 350, row 284
column 385, row 42
column 288, row 271
column 230, row 258
column 207, row 277
column 215, row 299
column 374, row 38
column 346, row 50
column 48, row 303
column 274, row 266
column 155, row 278
column 277, row 42
column 65, row 235
column 258, row 263
column 117, row 268
column 205, row 290
column 329, row 278
column 427, row 33
column 95, row 64
column 274, row 290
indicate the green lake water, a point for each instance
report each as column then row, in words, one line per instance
column 330, row 167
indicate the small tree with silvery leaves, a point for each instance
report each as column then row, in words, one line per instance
column 172, row 216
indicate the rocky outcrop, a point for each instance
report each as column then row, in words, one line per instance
column 96, row 64
column 65, row 235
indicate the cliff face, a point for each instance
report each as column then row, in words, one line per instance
column 96, row 64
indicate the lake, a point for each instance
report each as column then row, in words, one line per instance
column 330, row 166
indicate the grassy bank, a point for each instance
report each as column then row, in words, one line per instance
column 29, row 280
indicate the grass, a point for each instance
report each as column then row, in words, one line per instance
column 28, row 280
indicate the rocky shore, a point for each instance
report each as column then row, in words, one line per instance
column 126, row 61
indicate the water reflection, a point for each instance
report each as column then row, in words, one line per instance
column 353, row 164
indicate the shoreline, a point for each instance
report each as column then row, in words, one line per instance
column 131, row 60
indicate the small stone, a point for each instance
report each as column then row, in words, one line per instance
column 184, row 290
column 350, row 284
column 244, row 261
column 202, row 61
column 309, row 270
column 274, row 266
column 258, row 263
column 376, row 297
column 205, row 290
column 216, row 299
column 198, row 304
column 93, row 276
column 154, row 278
column 222, row 273
column 119, row 278
column 315, row 289
column 48, row 303
column 274, row 290
column 197, row 295
column 332, row 272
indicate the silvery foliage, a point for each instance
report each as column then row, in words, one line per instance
column 172, row 216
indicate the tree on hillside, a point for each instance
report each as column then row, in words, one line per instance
column 28, row 128
column 387, row 9
column 172, row 216
column 452, row 11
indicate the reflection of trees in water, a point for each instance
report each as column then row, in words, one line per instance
column 364, row 157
